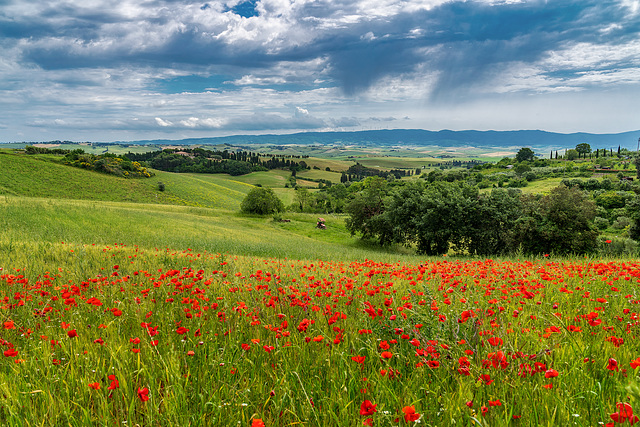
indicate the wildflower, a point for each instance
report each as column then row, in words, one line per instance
column 495, row 341
column 268, row 348
column 143, row 394
column 12, row 352
column 612, row 364
column 358, row 359
column 551, row 373
column 386, row 355
column 410, row 414
column 635, row 363
column 257, row 422
column 625, row 412
column 367, row 408
column 72, row 333
column 114, row 383
column 95, row 386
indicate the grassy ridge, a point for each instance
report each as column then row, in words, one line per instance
column 25, row 221
column 42, row 176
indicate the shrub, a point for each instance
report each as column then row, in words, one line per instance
column 161, row 186
column 621, row 222
column 618, row 246
column 601, row 223
column 261, row 201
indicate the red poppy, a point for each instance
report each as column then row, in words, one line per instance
column 368, row 422
column 12, row 352
column 551, row 373
column 257, row 422
column 635, row 363
column 367, row 408
column 72, row 333
column 495, row 341
column 95, row 386
column 245, row 347
column 182, row 330
column 358, row 359
column 625, row 412
column 612, row 365
column 143, row 394
column 410, row 414
column 386, row 355
column 114, row 383
column 495, row 402
column 268, row 348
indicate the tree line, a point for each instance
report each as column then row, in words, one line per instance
column 439, row 216
column 200, row 160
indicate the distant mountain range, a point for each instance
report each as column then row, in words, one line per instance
column 417, row 137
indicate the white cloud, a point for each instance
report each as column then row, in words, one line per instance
column 163, row 123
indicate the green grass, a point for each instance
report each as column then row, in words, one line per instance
column 81, row 222
column 186, row 258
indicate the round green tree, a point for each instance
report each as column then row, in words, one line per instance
column 261, row 201
column 525, row 154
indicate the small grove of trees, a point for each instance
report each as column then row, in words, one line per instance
column 200, row 160
column 107, row 163
column 261, row 201
column 583, row 149
column 441, row 216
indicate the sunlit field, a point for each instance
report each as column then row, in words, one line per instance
column 118, row 334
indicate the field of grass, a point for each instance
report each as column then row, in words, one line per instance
column 118, row 333
column 124, row 305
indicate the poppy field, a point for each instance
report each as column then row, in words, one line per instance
column 120, row 335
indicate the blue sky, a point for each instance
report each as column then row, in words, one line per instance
column 101, row 70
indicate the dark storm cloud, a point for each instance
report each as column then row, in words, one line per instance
column 462, row 43
column 466, row 42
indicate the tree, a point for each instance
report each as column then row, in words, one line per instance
column 637, row 162
column 525, row 154
column 572, row 154
column 261, row 201
column 583, row 149
column 561, row 222
column 302, row 198
column 522, row 168
column 633, row 207
column 366, row 209
column 434, row 218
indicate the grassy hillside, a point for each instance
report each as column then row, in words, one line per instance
column 42, row 176
column 31, row 226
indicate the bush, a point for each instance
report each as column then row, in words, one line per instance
column 621, row 222
column 601, row 223
column 618, row 247
column 261, row 201
column 161, row 186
